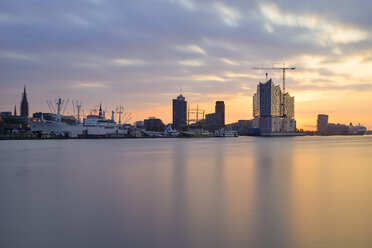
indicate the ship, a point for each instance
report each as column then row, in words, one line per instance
column 357, row 130
column 93, row 126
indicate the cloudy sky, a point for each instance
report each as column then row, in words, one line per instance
column 140, row 53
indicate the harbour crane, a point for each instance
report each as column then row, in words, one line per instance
column 284, row 68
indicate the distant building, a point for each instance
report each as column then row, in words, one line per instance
column 337, row 129
column 267, row 101
column 288, row 105
column 325, row 128
column 138, row 124
column 24, row 104
column 220, row 108
column 273, row 111
column 153, row 124
column 2, row 124
column 322, row 123
column 216, row 121
column 6, row 113
column 179, row 113
column 15, row 110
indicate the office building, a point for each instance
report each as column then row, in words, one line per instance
column 179, row 113
column 220, row 108
column 153, row 124
column 216, row 121
column 337, row 129
column 322, row 124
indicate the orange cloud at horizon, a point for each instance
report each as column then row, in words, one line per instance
column 339, row 105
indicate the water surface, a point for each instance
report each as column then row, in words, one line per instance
column 218, row 192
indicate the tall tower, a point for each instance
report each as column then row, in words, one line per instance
column 100, row 110
column 220, row 108
column 322, row 124
column 24, row 103
column 179, row 113
column 15, row 110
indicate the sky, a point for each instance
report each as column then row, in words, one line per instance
column 140, row 54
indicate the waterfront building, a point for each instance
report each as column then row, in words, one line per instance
column 337, row 129
column 209, row 122
column 24, row 104
column 288, row 105
column 1, row 124
column 322, row 123
column 220, row 108
column 273, row 111
column 153, row 124
column 267, row 101
column 179, row 113
column 325, row 128
column 216, row 121
column 6, row 114
column 138, row 124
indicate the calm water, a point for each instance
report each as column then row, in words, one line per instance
column 232, row 192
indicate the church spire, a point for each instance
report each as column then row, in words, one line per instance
column 24, row 103
column 100, row 109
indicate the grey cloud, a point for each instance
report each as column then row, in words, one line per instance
column 78, row 41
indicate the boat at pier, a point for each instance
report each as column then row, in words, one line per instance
column 92, row 126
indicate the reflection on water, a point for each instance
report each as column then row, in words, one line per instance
column 232, row 192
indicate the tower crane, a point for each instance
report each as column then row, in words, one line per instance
column 284, row 68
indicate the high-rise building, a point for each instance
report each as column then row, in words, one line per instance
column 267, row 101
column 322, row 124
column 179, row 113
column 288, row 105
column 15, row 110
column 216, row 121
column 24, row 104
column 220, row 108
column 273, row 110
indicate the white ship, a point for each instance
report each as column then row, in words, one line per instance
column 92, row 126
column 225, row 133
column 357, row 130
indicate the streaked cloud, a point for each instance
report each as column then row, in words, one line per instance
column 208, row 78
column 191, row 62
column 140, row 53
column 190, row 5
column 229, row 15
column 325, row 31
column 91, row 85
column 126, row 62
column 191, row 48
column 229, row 61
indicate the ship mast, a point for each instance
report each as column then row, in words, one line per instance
column 120, row 112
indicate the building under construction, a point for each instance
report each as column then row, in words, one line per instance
column 273, row 110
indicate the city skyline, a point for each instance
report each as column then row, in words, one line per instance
column 140, row 53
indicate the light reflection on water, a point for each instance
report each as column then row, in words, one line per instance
column 232, row 192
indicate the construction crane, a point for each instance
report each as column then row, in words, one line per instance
column 284, row 68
